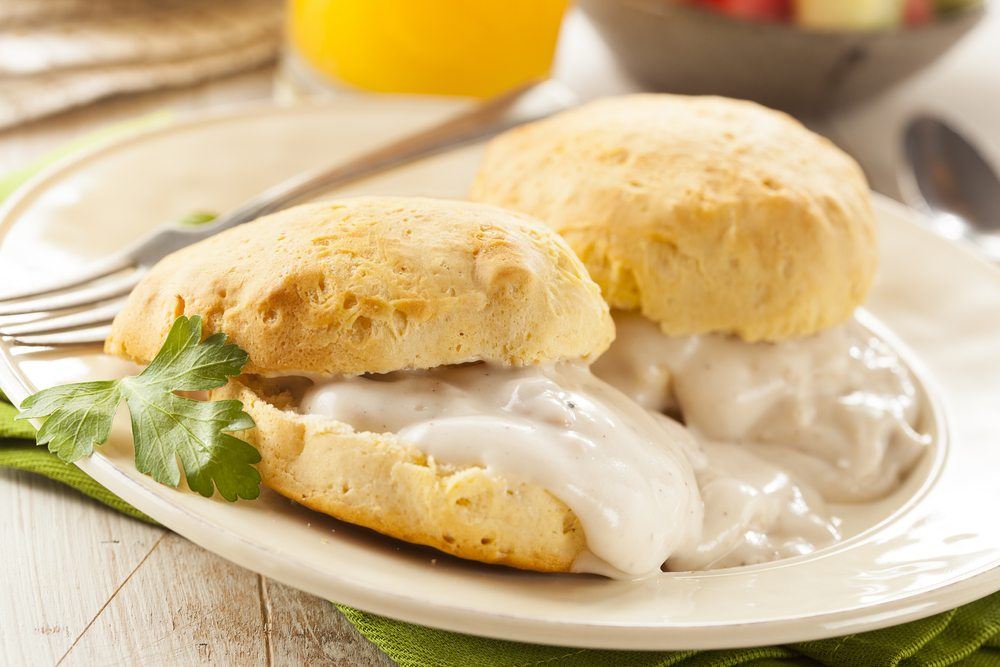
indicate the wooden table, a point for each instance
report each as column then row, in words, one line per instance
column 86, row 585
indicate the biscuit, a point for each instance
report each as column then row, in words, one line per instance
column 374, row 285
column 706, row 214
column 377, row 481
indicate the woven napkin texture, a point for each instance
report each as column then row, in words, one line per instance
column 57, row 54
column 968, row 636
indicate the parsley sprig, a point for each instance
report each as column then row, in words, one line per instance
column 165, row 426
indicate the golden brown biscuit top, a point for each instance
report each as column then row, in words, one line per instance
column 705, row 213
column 376, row 284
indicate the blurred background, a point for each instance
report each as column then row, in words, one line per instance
column 860, row 71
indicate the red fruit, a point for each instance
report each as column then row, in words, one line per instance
column 917, row 12
column 714, row 5
column 757, row 10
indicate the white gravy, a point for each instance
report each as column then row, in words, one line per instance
column 836, row 409
column 754, row 513
column 625, row 472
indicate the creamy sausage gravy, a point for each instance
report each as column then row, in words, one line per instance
column 837, row 409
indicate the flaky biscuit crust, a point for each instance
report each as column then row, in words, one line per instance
column 373, row 285
column 377, row 481
column 705, row 213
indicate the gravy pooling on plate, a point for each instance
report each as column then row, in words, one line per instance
column 837, row 409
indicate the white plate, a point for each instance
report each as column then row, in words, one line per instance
column 934, row 545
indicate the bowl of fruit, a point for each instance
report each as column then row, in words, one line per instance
column 805, row 56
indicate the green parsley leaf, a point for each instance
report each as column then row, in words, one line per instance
column 79, row 416
column 166, row 427
column 196, row 218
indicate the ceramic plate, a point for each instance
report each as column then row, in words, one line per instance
column 933, row 545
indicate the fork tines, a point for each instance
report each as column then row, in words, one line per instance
column 68, row 313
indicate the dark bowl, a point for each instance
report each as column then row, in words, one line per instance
column 677, row 48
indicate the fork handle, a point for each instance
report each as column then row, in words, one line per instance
column 521, row 105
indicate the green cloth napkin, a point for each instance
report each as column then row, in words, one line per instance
column 967, row 636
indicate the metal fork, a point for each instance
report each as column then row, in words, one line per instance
column 79, row 310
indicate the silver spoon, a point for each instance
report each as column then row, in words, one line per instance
column 947, row 177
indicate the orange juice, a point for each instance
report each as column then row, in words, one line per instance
column 447, row 47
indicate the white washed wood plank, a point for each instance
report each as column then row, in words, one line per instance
column 63, row 555
column 307, row 630
column 184, row 606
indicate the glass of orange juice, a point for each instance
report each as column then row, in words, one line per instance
column 473, row 48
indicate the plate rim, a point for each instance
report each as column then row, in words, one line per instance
column 625, row 635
